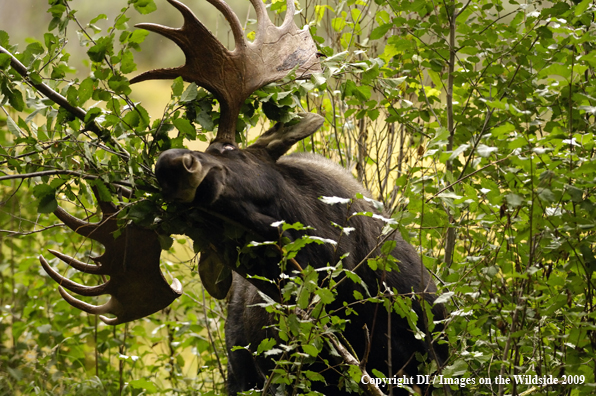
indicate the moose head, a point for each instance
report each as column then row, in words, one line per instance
column 231, row 76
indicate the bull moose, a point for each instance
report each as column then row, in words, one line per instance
column 253, row 190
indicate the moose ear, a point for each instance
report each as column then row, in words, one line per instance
column 279, row 139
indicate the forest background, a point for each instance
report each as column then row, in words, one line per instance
column 472, row 121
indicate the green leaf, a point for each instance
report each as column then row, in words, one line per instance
column 57, row 10
column 582, row 7
column 101, row 49
column 85, row 90
column 190, row 93
column 575, row 193
column 4, row 39
column 121, row 23
column 165, row 241
column 4, row 61
column 514, row 200
column 142, row 211
column 303, row 299
column 177, row 86
column 311, row 350
column 72, row 95
column 185, row 127
column 13, row 127
column 138, row 36
column 43, row 190
column 131, row 119
column 338, row 24
column 127, row 63
column 326, row 296
column 373, row 114
column 546, row 195
column 457, row 369
column 313, row 376
column 266, row 345
column 15, row 98
column 502, row 130
column 119, row 84
column 458, row 151
column 205, row 120
column 92, row 113
column 380, row 31
column 370, row 75
column 98, row 18
column 557, row 70
column 388, row 247
column 144, row 118
column 144, row 6
column 143, row 384
column 47, row 204
column 362, row 92
column 102, row 190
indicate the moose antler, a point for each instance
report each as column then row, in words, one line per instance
column 232, row 76
column 136, row 285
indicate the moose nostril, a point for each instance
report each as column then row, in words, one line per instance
column 190, row 163
column 187, row 161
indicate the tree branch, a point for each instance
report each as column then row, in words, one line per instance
column 48, row 173
column 64, row 172
column 62, row 102
column 17, row 233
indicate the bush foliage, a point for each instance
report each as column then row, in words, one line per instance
column 473, row 122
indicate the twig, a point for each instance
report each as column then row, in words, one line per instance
column 466, row 176
column 48, row 173
column 65, row 172
column 221, row 370
column 17, row 233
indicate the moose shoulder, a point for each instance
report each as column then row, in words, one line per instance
column 257, row 187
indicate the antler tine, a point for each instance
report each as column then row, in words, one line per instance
column 83, row 306
column 70, row 285
column 232, row 19
column 77, row 225
column 289, row 18
column 108, row 209
column 93, row 309
column 110, row 321
column 89, row 230
column 79, row 265
column 263, row 21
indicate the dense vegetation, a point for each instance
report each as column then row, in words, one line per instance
column 473, row 122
